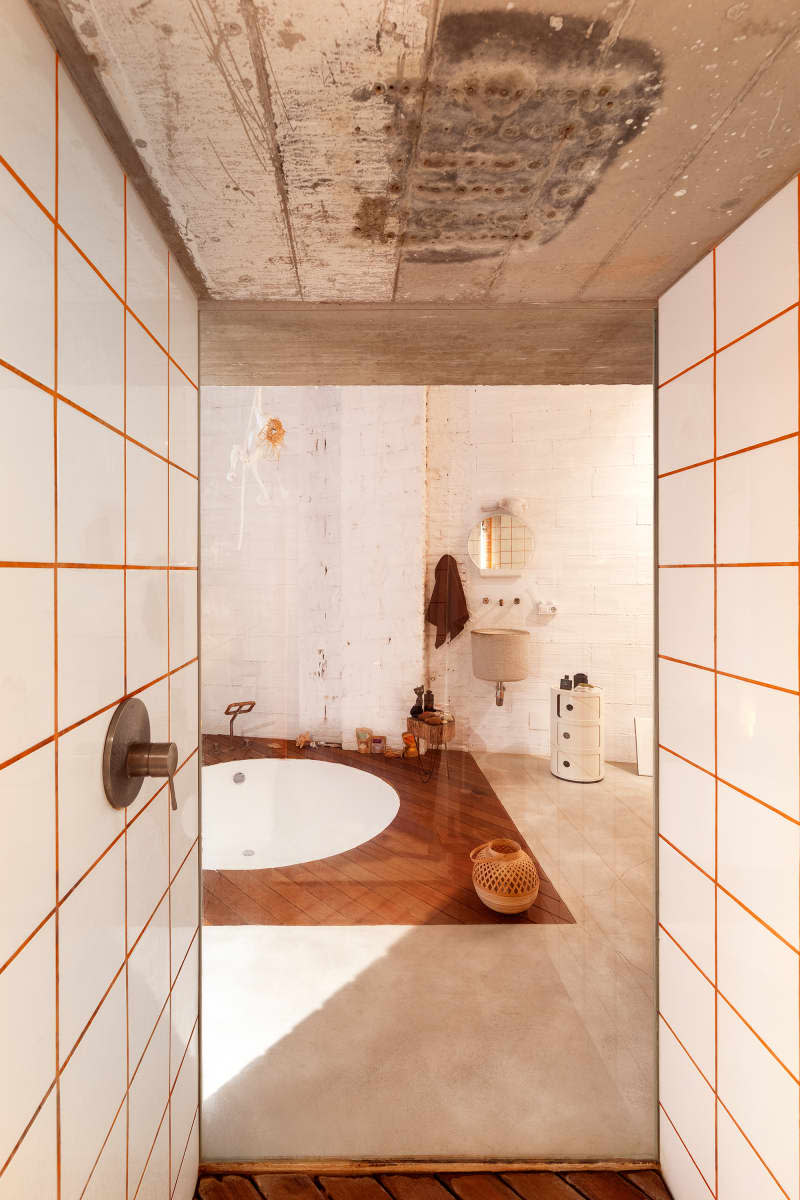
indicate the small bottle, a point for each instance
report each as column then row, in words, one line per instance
column 566, row 683
column 429, row 704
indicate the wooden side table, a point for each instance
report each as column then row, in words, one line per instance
column 431, row 737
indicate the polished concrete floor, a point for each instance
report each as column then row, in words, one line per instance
column 449, row 1041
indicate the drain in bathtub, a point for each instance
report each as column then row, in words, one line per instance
column 248, row 853
column 239, row 777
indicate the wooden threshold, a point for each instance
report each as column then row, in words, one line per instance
column 416, row 1166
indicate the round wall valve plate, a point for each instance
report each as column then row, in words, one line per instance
column 129, row 725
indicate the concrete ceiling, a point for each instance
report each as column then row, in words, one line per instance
column 473, row 151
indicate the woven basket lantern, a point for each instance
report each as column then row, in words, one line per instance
column 504, row 876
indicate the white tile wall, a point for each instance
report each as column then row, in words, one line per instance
column 27, row 846
column 686, row 321
column 757, row 267
column 729, row 968
column 69, row 1008
column 26, row 479
column 757, row 386
column 756, row 512
column 686, row 419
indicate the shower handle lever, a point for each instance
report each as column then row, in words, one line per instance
column 156, row 760
column 129, row 757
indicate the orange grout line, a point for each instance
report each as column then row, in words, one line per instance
column 721, row 887
column 758, row 1037
column 28, row 191
column 706, row 874
column 56, row 799
column 730, row 1005
column 26, row 1130
column 95, row 566
column 683, row 758
column 105, row 1142
column 127, row 1089
column 53, row 218
column 752, row 1147
column 76, row 724
column 686, row 954
column 732, row 342
column 686, row 370
column 28, row 939
column 37, row 383
column 95, row 1011
column 693, row 1061
column 169, row 724
column 683, row 662
column 704, row 462
column 185, row 1148
column 686, row 1148
column 727, row 783
column 716, row 732
column 756, row 328
column 164, row 1114
column 798, row 527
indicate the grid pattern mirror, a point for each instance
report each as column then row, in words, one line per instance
column 501, row 542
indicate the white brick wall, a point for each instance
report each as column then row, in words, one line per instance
column 581, row 457
column 319, row 615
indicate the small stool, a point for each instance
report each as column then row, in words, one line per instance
column 433, row 737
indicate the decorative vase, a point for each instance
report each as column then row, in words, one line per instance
column 504, row 876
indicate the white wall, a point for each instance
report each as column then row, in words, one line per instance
column 581, row 459
column 728, row 692
column 317, row 615
column 98, row 578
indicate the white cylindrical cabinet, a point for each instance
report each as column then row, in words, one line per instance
column 576, row 734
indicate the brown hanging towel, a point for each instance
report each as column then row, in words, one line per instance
column 448, row 606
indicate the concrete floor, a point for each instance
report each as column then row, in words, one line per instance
column 520, row 1042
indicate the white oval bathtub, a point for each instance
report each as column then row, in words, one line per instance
column 288, row 811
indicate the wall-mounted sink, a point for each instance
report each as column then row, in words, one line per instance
column 500, row 655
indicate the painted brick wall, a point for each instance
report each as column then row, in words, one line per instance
column 581, row 459
column 313, row 575
column 98, row 573
column 728, row 649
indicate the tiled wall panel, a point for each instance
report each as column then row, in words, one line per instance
column 98, row 489
column 729, row 777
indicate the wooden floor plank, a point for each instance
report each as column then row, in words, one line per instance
column 517, row 1185
column 287, row 1187
column 229, row 1187
column 352, row 1187
column 540, row 1185
column 415, row 1187
column 416, row 872
column 479, row 1187
column 651, row 1183
column 603, row 1185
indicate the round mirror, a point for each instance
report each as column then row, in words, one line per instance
column 501, row 543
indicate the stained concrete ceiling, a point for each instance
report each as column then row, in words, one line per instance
column 443, row 150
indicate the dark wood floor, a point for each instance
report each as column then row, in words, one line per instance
column 416, row 872
column 516, row 1185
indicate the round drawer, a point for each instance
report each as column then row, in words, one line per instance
column 578, row 737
